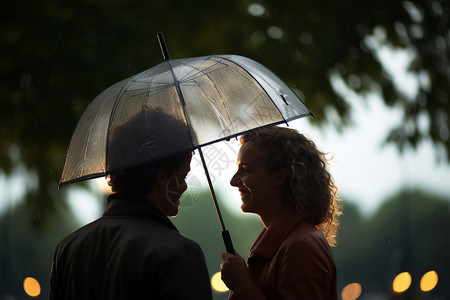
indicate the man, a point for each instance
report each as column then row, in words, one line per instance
column 134, row 251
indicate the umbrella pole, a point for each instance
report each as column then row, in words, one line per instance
column 225, row 233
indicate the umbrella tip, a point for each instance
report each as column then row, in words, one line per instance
column 162, row 44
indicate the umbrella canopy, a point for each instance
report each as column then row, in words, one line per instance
column 203, row 99
column 217, row 97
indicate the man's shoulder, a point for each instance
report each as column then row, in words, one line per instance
column 138, row 237
column 83, row 229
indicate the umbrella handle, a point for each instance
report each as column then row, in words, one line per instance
column 227, row 240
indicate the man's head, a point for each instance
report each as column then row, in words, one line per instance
column 149, row 147
column 162, row 182
column 149, row 135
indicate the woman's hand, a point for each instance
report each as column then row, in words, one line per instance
column 235, row 273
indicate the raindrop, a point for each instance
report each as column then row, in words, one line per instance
column 256, row 10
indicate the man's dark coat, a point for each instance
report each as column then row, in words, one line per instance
column 132, row 252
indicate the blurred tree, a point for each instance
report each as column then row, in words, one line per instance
column 57, row 56
column 26, row 254
column 410, row 232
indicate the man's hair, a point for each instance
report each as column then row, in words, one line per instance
column 150, row 139
column 310, row 186
column 139, row 180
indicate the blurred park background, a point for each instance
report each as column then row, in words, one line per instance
column 375, row 74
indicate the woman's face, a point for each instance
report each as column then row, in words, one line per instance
column 259, row 188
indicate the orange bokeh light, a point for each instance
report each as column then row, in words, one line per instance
column 351, row 291
column 402, row 282
column 31, row 287
column 429, row 281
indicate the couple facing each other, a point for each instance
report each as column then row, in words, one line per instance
column 135, row 252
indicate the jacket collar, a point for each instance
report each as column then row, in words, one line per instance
column 270, row 239
column 119, row 205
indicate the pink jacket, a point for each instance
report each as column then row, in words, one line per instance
column 291, row 260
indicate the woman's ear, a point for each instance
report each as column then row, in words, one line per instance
column 281, row 175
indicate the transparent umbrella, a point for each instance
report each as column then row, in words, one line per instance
column 211, row 98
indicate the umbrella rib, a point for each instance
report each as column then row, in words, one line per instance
column 160, row 86
column 211, row 101
column 113, row 111
column 152, row 91
column 180, row 94
column 202, row 72
column 189, row 73
column 251, row 75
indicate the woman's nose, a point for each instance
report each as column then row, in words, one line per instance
column 235, row 180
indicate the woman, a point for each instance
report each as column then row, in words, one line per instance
column 283, row 178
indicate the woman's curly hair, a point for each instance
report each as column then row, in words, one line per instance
column 311, row 186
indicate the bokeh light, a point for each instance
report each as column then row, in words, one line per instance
column 429, row 281
column 31, row 287
column 351, row 291
column 402, row 282
column 256, row 10
column 217, row 283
